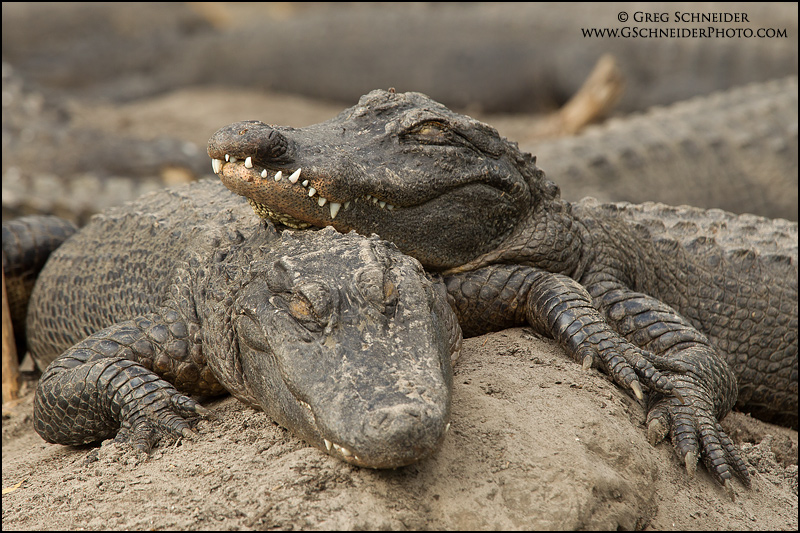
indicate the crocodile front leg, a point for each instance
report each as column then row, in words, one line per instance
column 109, row 384
column 501, row 296
column 708, row 386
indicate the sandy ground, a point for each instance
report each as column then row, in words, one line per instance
column 535, row 443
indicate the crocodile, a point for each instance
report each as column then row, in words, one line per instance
column 708, row 297
column 735, row 150
column 341, row 339
column 467, row 55
column 27, row 244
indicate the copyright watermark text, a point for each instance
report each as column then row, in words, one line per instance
column 684, row 25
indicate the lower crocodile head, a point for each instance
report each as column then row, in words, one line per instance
column 348, row 343
column 442, row 186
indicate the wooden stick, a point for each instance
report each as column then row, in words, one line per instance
column 597, row 96
column 10, row 362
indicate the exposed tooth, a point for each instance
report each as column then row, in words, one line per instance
column 233, row 159
column 305, row 183
column 278, row 176
column 367, row 197
column 382, row 204
column 447, row 427
column 248, row 163
column 334, row 208
column 216, row 165
column 322, row 201
column 311, row 191
column 227, row 157
column 374, row 200
column 336, row 447
column 347, row 204
column 346, row 452
column 327, row 444
column 389, row 207
column 295, row 175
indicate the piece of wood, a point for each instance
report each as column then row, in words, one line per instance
column 595, row 99
column 10, row 362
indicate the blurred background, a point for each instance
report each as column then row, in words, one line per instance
column 102, row 102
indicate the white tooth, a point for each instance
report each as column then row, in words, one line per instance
column 346, row 452
column 367, row 197
column 382, row 204
column 295, row 175
column 389, row 207
column 357, row 458
column 311, row 191
column 347, row 204
column 264, row 173
column 334, row 208
column 374, row 200
column 327, row 444
column 304, row 183
column 336, row 447
column 447, row 427
column 216, row 165
column 233, row 159
column 248, row 163
column 278, row 176
column 227, row 157
column 322, row 201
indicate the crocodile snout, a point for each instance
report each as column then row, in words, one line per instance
column 394, row 436
column 251, row 138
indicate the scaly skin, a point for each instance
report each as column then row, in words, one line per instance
column 27, row 243
column 700, row 294
column 734, row 150
column 341, row 339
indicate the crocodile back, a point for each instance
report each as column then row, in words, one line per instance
column 122, row 263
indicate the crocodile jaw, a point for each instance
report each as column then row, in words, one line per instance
column 243, row 178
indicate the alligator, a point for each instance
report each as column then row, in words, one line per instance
column 53, row 157
column 735, row 150
column 467, row 55
column 341, row 339
column 27, row 244
column 708, row 297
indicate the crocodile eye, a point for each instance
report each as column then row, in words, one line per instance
column 431, row 132
column 438, row 133
column 370, row 283
column 311, row 303
column 377, row 288
column 431, row 128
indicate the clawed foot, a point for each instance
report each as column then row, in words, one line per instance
column 696, row 434
column 160, row 411
column 630, row 366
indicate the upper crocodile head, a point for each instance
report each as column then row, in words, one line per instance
column 442, row 186
column 348, row 343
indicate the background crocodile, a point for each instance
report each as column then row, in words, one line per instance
column 449, row 191
column 735, row 150
column 342, row 339
column 492, row 56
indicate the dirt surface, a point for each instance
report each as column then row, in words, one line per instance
column 535, row 443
